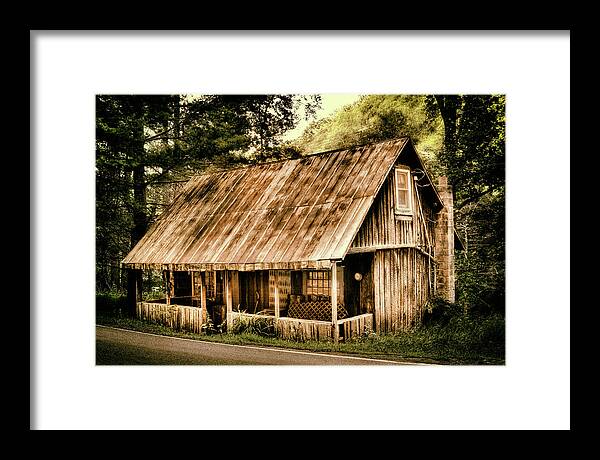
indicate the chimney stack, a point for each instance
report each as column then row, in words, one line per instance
column 444, row 242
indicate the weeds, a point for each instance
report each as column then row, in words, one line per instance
column 111, row 302
column 210, row 328
column 262, row 327
column 448, row 335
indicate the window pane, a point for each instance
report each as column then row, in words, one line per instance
column 320, row 275
column 401, row 176
column 403, row 198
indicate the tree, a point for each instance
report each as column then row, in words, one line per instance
column 142, row 141
column 474, row 138
column 474, row 160
column 376, row 118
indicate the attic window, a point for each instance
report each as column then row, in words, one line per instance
column 403, row 192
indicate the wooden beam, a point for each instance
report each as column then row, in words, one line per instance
column 333, row 288
column 228, row 300
column 276, row 295
column 193, row 290
column 378, row 248
column 389, row 246
column 169, row 287
column 203, row 297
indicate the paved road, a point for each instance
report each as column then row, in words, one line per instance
column 120, row 346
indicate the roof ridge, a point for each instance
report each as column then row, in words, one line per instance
column 312, row 154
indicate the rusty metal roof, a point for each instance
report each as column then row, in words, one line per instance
column 290, row 214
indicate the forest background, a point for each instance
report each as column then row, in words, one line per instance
column 148, row 146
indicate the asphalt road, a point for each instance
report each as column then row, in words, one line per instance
column 120, row 346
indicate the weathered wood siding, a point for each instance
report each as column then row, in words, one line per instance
column 382, row 227
column 401, row 288
column 293, row 328
column 175, row 316
column 356, row 325
column 284, row 284
column 304, row 329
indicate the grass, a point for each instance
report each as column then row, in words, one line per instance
column 451, row 339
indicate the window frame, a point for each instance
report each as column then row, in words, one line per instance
column 401, row 210
column 312, row 283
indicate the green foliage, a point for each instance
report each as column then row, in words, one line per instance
column 111, row 302
column 464, row 339
column 454, row 336
column 143, row 141
column 210, row 328
column 474, row 150
column 438, row 311
column 263, row 327
column 480, row 266
column 473, row 158
column 375, row 118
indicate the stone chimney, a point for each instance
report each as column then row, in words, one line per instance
column 444, row 243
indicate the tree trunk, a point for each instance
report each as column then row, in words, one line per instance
column 140, row 217
column 449, row 106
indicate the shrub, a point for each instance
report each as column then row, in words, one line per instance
column 111, row 302
column 210, row 328
column 440, row 311
column 260, row 326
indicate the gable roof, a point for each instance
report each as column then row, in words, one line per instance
column 291, row 214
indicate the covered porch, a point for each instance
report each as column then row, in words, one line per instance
column 304, row 304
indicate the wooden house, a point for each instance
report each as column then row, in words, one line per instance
column 327, row 246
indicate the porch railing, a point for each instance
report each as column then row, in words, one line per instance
column 181, row 317
column 312, row 329
column 356, row 325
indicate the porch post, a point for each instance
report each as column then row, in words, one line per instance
column 228, row 300
column 170, row 287
column 276, row 296
column 193, row 287
column 203, row 297
column 333, row 287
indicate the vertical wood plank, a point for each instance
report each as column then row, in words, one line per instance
column 167, row 290
column 334, row 313
column 228, row 299
column 193, row 290
column 235, row 288
column 276, row 295
column 377, row 316
column 203, row 297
